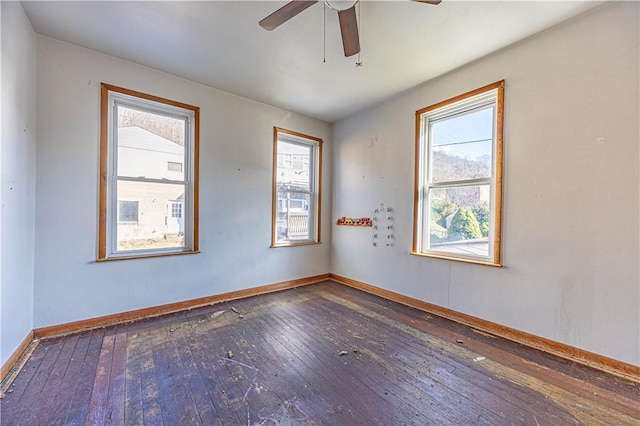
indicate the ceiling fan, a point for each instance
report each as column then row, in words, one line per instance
column 346, row 15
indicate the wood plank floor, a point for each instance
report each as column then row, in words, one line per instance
column 320, row 354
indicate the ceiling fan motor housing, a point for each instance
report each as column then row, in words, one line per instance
column 341, row 5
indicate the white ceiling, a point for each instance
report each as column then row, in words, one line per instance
column 219, row 44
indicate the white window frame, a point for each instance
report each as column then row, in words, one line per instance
column 315, row 186
column 489, row 95
column 111, row 98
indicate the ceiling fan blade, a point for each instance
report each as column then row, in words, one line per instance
column 433, row 2
column 349, row 30
column 285, row 13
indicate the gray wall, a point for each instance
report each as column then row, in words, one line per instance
column 571, row 223
column 17, row 187
column 236, row 148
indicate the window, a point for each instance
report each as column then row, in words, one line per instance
column 172, row 166
column 127, row 211
column 176, row 210
column 458, row 183
column 148, row 153
column 296, row 188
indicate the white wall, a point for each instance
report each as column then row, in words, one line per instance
column 17, row 187
column 236, row 149
column 571, row 222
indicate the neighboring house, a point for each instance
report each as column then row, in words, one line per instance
column 149, row 210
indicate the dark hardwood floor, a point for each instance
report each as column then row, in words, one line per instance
column 320, row 354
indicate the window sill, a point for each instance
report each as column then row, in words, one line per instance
column 458, row 259
column 305, row 243
column 146, row 256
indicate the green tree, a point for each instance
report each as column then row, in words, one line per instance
column 464, row 226
column 481, row 212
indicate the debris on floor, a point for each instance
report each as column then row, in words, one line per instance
column 459, row 341
column 229, row 354
column 478, row 359
column 217, row 313
column 289, row 413
column 343, row 353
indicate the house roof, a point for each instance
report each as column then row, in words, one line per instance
column 138, row 138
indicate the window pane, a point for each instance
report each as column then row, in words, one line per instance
column 174, row 166
column 150, row 145
column 176, row 210
column 159, row 222
column 293, row 166
column 462, row 146
column 127, row 211
column 460, row 220
column 293, row 219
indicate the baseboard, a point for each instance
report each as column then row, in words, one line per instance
column 609, row 365
column 15, row 356
column 155, row 311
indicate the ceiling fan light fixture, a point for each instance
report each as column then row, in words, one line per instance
column 341, row 5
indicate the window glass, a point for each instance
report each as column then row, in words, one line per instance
column 145, row 145
column 155, row 226
column 292, row 171
column 460, row 220
column 462, row 146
